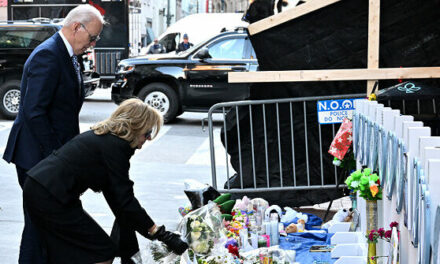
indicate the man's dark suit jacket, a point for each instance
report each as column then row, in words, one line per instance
column 181, row 46
column 51, row 98
column 100, row 163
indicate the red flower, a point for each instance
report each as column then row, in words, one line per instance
column 381, row 232
column 233, row 250
column 371, row 235
column 388, row 234
column 378, row 182
column 394, row 224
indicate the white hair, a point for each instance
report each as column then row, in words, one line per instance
column 83, row 14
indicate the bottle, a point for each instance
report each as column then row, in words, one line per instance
column 243, row 237
column 274, row 232
column 355, row 220
column 253, row 223
column 266, row 226
column 254, row 240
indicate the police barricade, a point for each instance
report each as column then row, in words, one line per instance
column 288, row 120
column 407, row 158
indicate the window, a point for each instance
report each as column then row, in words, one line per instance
column 170, row 41
column 13, row 37
column 228, row 49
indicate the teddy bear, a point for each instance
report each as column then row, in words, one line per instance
column 292, row 228
column 342, row 215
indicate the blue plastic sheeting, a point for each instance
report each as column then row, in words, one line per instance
column 312, row 220
column 301, row 243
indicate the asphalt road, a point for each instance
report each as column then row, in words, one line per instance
column 159, row 170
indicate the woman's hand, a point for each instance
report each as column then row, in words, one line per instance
column 153, row 230
column 172, row 240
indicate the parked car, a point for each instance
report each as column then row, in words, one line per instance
column 17, row 41
column 198, row 27
column 192, row 80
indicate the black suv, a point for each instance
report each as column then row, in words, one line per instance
column 17, row 41
column 192, row 80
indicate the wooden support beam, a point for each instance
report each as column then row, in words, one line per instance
column 334, row 75
column 373, row 39
column 288, row 14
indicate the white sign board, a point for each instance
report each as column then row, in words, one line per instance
column 334, row 111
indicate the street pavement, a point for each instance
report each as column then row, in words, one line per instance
column 159, row 169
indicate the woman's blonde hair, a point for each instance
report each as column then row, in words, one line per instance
column 131, row 119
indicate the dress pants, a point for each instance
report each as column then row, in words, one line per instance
column 31, row 249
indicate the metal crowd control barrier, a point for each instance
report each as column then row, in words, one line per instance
column 408, row 160
column 262, row 105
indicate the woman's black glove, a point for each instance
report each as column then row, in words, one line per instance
column 172, row 240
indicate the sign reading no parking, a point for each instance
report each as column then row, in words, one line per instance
column 334, row 111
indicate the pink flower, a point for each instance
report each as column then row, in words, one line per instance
column 372, row 258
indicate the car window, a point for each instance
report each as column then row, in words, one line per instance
column 15, row 37
column 170, row 41
column 228, row 49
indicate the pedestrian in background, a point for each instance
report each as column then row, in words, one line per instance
column 185, row 44
column 156, row 48
column 98, row 159
column 52, row 93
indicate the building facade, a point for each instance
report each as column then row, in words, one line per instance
column 3, row 10
column 149, row 19
column 228, row 6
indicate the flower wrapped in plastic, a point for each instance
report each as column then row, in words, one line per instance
column 156, row 253
column 203, row 228
column 203, row 231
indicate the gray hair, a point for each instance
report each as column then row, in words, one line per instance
column 83, row 14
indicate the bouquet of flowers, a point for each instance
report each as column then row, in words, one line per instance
column 366, row 183
column 239, row 221
column 155, row 253
column 381, row 233
column 203, row 228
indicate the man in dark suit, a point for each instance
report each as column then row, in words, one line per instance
column 52, row 93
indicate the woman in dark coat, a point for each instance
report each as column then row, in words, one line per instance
column 98, row 159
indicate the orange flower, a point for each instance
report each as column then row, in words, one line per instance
column 374, row 190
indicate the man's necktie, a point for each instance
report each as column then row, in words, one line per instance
column 77, row 68
column 77, row 71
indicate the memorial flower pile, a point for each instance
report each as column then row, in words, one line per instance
column 239, row 221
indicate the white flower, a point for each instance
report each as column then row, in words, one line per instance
column 337, row 163
column 195, row 224
column 354, row 184
column 195, row 235
column 201, row 247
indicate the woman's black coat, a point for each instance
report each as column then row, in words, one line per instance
column 100, row 163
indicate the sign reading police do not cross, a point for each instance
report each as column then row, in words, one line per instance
column 334, row 111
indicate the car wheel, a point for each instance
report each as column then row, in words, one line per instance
column 163, row 98
column 10, row 96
